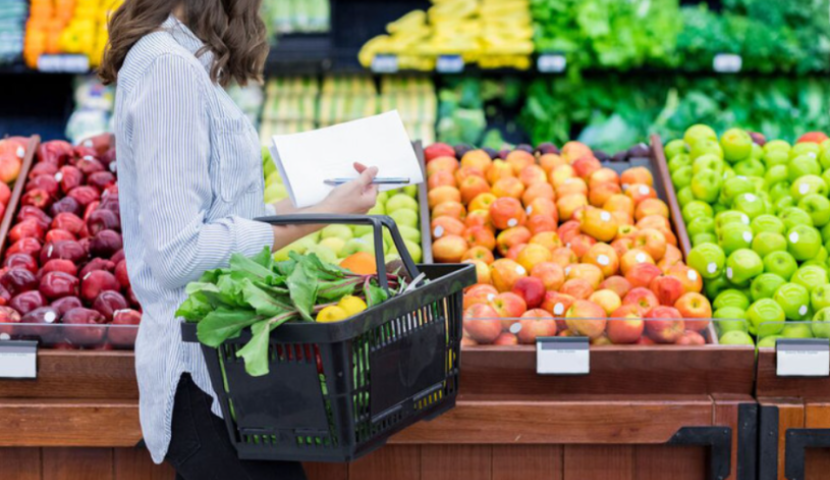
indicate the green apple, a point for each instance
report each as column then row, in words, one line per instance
column 780, row 191
column 794, row 299
column 758, row 183
column 414, row 251
column 780, row 263
column 803, row 242
column 409, row 233
column 324, row 253
column 728, row 172
column 719, row 207
column 275, row 192
column 776, row 157
column 743, row 265
column 695, row 209
column 705, row 147
column 343, row 232
column 766, row 317
column 775, row 175
column 708, row 163
column 357, row 245
column 824, row 159
column 360, row 230
column 757, row 152
column 794, row 217
column 728, row 319
column 821, row 323
column 736, row 337
column 685, row 196
column 401, row 201
column 383, row 197
column 810, row 276
column 766, row 243
column 825, row 233
column 797, row 330
column 679, row 160
column 730, row 216
column 801, row 166
column 699, row 132
column 378, row 209
column 807, row 184
column 702, row 238
column 675, row 147
column 809, row 149
column 765, row 285
column 820, row 297
column 700, row 225
column 411, row 190
column 734, row 236
column 682, row 177
column 713, row 286
column 708, row 259
column 731, row 298
column 769, row 341
column 706, row 185
column 736, row 145
column 405, row 217
column 335, row 244
column 767, row 223
column 777, row 145
column 750, row 204
column 821, row 256
column 736, row 186
column 750, row 168
column 818, row 207
column 300, row 246
column 370, row 239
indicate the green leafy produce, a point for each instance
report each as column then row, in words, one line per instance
column 261, row 294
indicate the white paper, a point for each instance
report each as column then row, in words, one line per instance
column 305, row 160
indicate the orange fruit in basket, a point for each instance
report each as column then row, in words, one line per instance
column 361, row 263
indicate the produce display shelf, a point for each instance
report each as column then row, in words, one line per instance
column 17, row 189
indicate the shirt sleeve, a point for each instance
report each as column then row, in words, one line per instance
column 171, row 142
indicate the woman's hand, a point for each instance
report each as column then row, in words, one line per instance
column 356, row 197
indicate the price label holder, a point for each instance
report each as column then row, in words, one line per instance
column 727, row 63
column 551, row 63
column 802, row 357
column 449, row 64
column 563, row 356
column 18, row 359
column 385, row 63
column 77, row 64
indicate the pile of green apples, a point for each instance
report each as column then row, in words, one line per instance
column 336, row 242
column 758, row 217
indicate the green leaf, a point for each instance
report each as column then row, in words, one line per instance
column 230, row 291
column 251, row 266
column 375, row 295
column 337, row 289
column 219, row 325
column 303, row 288
column 195, row 308
column 262, row 301
column 255, row 352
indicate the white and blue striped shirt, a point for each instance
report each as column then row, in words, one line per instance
column 190, row 181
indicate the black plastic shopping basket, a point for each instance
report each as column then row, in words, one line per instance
column 337, row 391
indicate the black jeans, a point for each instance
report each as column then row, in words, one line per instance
column 201, row 450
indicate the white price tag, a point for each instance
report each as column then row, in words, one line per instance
column 63, row 63
column 18, row 359
column 449, row 64
column 551, row 63
column 727, row 63
column 385, row 63
column 563, row 356
column 802, row 357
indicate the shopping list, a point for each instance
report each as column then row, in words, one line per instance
column 306, row 160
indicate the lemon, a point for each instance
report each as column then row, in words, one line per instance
column 331, row 314
column 352, row 305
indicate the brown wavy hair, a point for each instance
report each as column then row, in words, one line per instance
column 231, row 29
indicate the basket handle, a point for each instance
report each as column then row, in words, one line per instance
column 376, row 221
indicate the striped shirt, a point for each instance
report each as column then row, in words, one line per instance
column 190, row 181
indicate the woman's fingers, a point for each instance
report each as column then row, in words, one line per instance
column 359, row 167
column 367, row 176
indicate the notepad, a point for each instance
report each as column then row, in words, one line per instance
column 305, row 160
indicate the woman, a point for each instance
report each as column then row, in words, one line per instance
column 190, row 183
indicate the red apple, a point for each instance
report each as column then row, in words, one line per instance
column 664, row 324
column 695, row 308
column 626, row 325
column 642, row 297
column 531, row 289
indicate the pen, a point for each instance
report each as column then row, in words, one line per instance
column 376, row 181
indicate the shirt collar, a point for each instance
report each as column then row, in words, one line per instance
column 187, row 39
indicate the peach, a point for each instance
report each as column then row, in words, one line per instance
column 637, row 175
column 690, row 337
column 507, row 212
column 479, row 218
column 534, row 324
column 479, row 253
column 577, row 288
column 499, row 169
column 567, row 206
column 479, row 293
column 480, row 237
column 617, row 284
column 667, row 289
column 508, row 187
column 664, row 324
column 441, row 226
column 482, row 201
column 651, row 241
column 482, row 270
column 505, row 273
column 560, row 174
column 626, row 326
column 619, row 203
column 696, row 309
column 563, row 256
column 533, row 255
column 585, row 271
column 551, row 274
column 586, row 166
column 641, row 274
column 477, row 159
column 440, row 179
column 639, row 192
column 691, row 280
column 449, row 249
column 599, row 224
column 651, row 206
column 603, row 257
column 607, row 299
column 464, row 173
column 633, row 257
column 471, row 187
column 580, row 244
column 569, row 230
column 506, row 339
column 442, row 164
column 602, row 176
column 549, row 240
column 452, row 209
column 586, row 318
column 519, row 159
column 482, row 331
column 532, row 174
column 549, row 161
column 511, row 237
column 573, row 150
column 531, row 289
column 443, row 194
column 514, row 251
column 540, row 224
column 622, row 245
column 508, row 305
column 538, row 190
column 642, row 297
column 600, row 194
column 571, row 186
